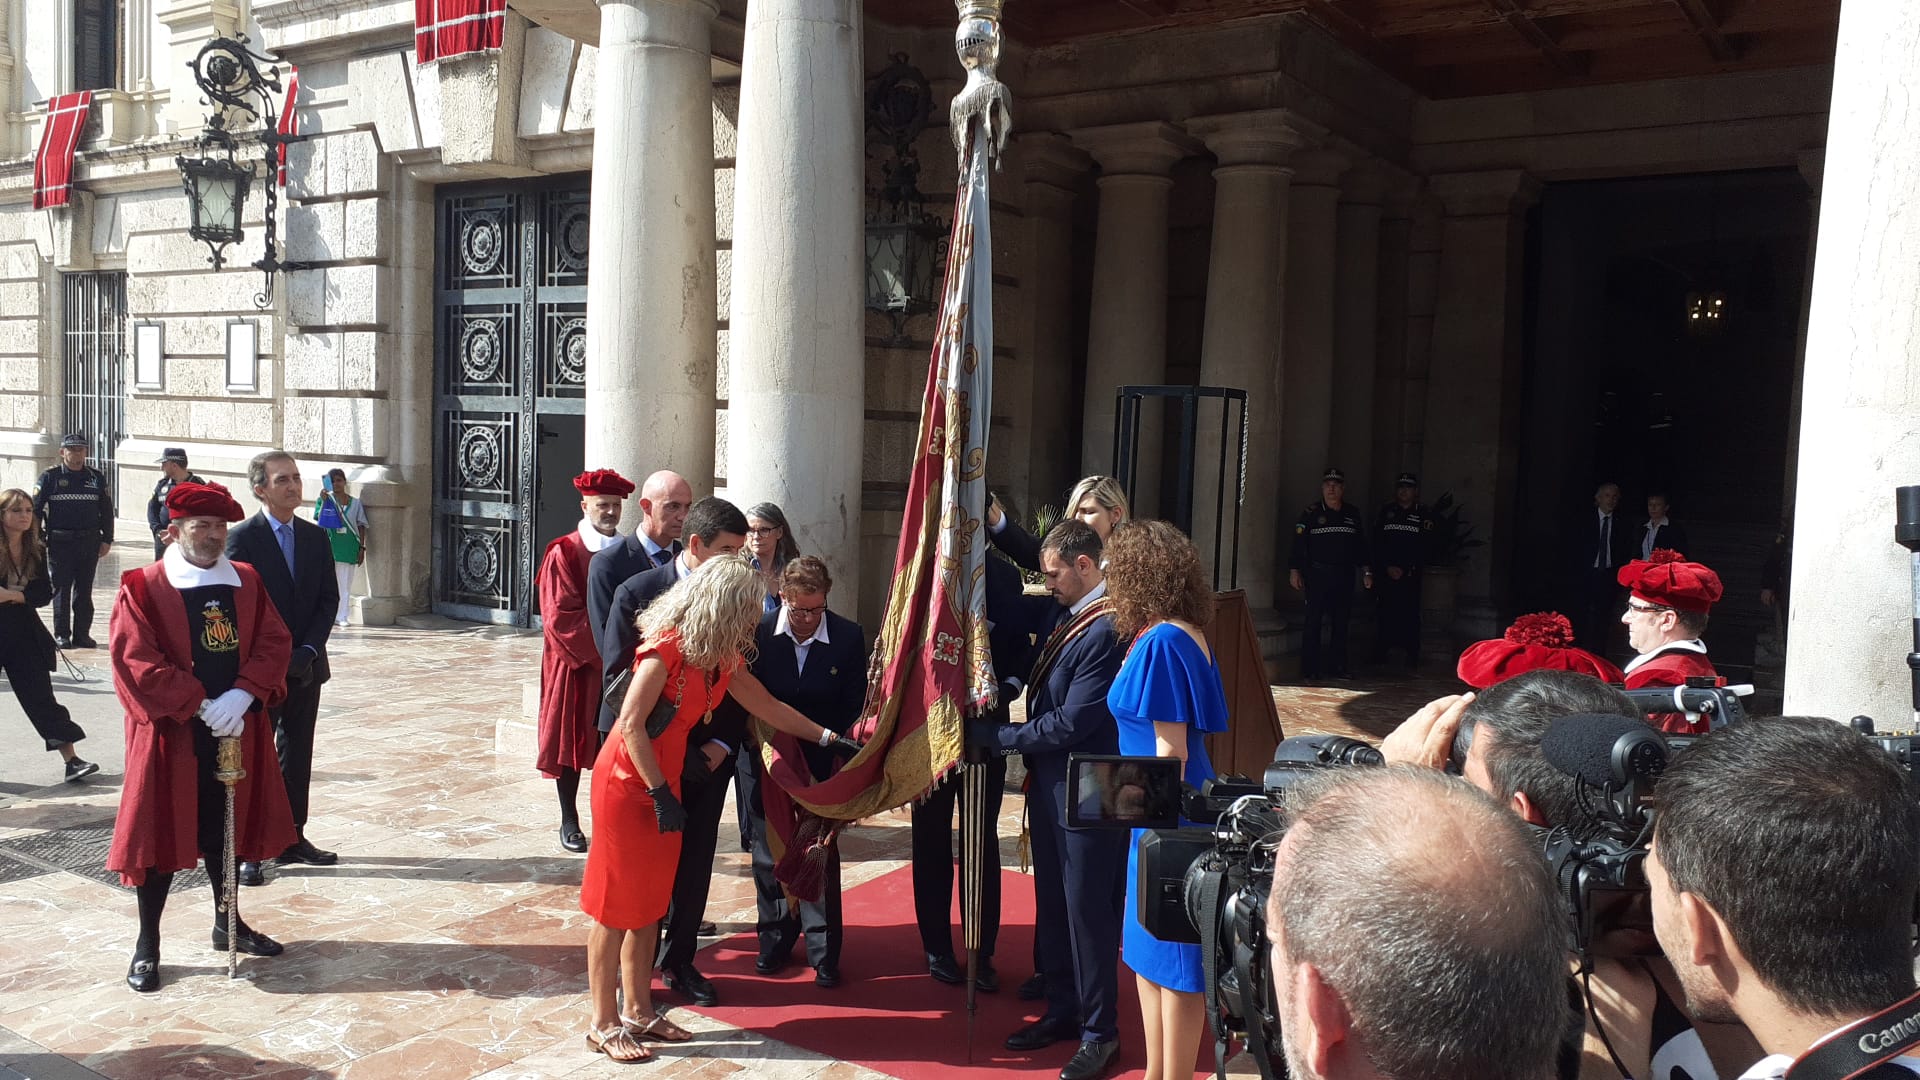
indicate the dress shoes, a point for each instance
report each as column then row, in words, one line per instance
column 84, row 642
column 1091, row 1061
column 690, row 984
column 946, row 969
column 772, row 961
column 985, row 979
column 573, row 839
column 1041, row 1034
column 1034, row 988
column 250, row 874
column 143, row 975
column 826, row 976
column 708, row 929
column 303, row 851
column 251, row 941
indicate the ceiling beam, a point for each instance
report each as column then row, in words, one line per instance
column 1350, row 29
column 1708, row 28
column 1516, row 16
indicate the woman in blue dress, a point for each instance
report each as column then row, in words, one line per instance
column 1167, row 697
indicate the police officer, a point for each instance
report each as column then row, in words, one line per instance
column 173, row 469
column 1329, row 544
column 76, row 510
column 1402, row 534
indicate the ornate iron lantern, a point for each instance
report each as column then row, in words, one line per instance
column 905, row 245
column 217, row 182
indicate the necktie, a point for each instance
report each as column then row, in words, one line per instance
column 1605, row 559
column 285, row 533
column 663, row 556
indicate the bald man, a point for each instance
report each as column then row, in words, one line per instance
column 1475, row 984
column 664, row 499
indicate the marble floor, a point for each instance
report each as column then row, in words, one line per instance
column 446, row 943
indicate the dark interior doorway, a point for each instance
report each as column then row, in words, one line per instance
column 1663, row 320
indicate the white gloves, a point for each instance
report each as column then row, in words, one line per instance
column 227, row 714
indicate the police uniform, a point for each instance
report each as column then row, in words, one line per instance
column 1329, row 545
column 157, row 506
column 1402, row 538
column 76, row 510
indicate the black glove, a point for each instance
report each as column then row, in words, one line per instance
column 983, row 735
column 300, row 665
column 667, row 811
column 843, row 747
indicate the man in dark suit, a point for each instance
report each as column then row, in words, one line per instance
column 1660, row 531
column 664, row 501
column 815, row 661
column 1010, row 636
column 711, row 527
column 1598, row 545
column 1079, row 875
column 295, row 562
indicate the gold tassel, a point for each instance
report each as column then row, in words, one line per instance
column 1025, row 847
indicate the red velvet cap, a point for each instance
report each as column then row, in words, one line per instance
column 188, row 499
column 603, row 482
column 1669, row 580
column 1538, row 642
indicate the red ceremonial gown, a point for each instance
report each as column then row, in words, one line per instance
column 569, row 736
column 1672, row 667
column 156, row 826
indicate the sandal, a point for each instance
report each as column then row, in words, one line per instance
column 619, row 1045
column 659, row 1029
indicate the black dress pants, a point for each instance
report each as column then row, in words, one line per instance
column 293, row 724
column 1329, row 603
column 72, row 558
column 1399, row 614
column 1080, row 889
column 32, row 683
column 933, row 861
column 705, row 800
column 779, row 920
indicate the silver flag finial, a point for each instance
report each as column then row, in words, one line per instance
column 976, row 41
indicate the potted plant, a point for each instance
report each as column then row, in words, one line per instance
column 1451, row 540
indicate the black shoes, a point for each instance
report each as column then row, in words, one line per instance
column 688, row 983
column 303, row 851
column 945, row 969
column 143, row 975
column 986, row 980
column 1091, row 1060
column 77, row 769
column 773, row 959
column 84, row 642
column 708, row 929
column 1034, row 988
column 1041, row 1034
column 251, row 941
column 826, row 976
column 572, row 838
column 250, row 874
column 62, row 641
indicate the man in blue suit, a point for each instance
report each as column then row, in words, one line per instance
column 815, row 661
column 665, row 500
column 1079, row 875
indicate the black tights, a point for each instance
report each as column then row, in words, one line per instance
column 211, row 840
column 151, row 895
column 568, row 782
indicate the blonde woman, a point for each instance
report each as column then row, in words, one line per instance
column 1099, row 501
column 26, row 649
column 695, row 641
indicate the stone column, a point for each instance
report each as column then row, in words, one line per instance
column 1307, row 425
column 1813, row 164
column 796, row 409
column 651, row 296
column 1390, row 342
column 6, row 88
column 1356, row 309
column 1127, row 332
column 1860, row 406
column 1474, row 390
column 1052, row 168
column 1423, row 286
column 1246, row 290
column 190, row 25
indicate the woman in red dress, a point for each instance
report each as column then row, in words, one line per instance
column 694, row 644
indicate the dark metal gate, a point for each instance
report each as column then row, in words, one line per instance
column 93, row 365
column 510, row 347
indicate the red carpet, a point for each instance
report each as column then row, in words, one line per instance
column 887, row 1014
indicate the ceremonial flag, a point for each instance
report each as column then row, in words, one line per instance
column 443, row 29
column 289, row 121
column 59, row 138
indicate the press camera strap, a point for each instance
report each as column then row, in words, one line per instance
column 1210, row 968
column 1862, row 1048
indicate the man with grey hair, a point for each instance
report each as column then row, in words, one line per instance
column 1416, row 934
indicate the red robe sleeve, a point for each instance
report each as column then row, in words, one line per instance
column 563, row 602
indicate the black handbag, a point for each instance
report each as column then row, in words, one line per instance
column 663, row 709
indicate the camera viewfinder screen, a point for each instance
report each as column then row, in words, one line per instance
column 1135, row 792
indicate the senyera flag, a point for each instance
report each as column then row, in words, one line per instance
column 931, row 668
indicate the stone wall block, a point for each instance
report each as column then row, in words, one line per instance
column 355, row 296
column 304, row 425
column 316, row 232
column 252, row 423
column 360, row 368
column 210, row 421
column 723, row 181
column 19, row 337
column 726, row 122
column 380, row 96
column 198, row 376
column 189, row 294
column 586, row 69
column 355, row 165
column 306, row 297
column 313, row 361
column 178, row 253
column 20, row 372
column 368, row 227
column 20, row 297
column 723, row 340
column 723, row 284
column 543, row 82
column 355, row 426
column 157, row 418
column 20, row 261
column 307, row 168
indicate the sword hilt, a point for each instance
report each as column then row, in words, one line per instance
column 227, row 766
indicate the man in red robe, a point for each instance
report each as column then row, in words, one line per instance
column 569, row 660
column 1667, row 604
column 199, row 653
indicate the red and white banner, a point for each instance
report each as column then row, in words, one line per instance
column 443, row 29
column 53, row 163
column 289, row 121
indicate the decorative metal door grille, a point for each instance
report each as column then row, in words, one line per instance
column 93, row 365
column 511, row 317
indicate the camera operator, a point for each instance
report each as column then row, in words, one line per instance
column 1635, row 1014
column 1784, row 867
column 1390, row 962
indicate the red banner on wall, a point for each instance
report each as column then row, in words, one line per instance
column 289, row 121
column 53, row 163
column 443, row 29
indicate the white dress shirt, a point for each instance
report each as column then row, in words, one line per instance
column 800, row 648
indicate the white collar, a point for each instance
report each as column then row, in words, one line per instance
column 681, row 571
column 591, row 537
column 1694, row 645
column 647, row 542
column 1604, row 514
column 1093, row 594
column 781, row 626
column 182, row 574
column 1661, row 524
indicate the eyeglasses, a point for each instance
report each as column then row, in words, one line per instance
column 1646, row 609
column 768, row 531
column 810, row 612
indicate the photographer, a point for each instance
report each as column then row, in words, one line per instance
column 1784, row 867
column 1388, row 962
column 1635, row 1016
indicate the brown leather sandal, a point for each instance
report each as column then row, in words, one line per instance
column 619, row 1045
column 659, row 1029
